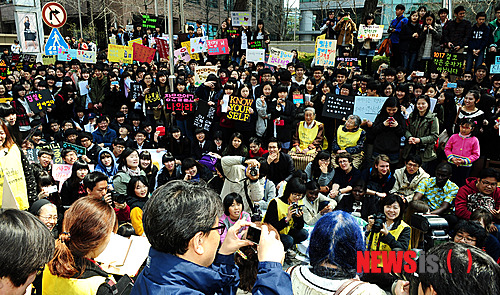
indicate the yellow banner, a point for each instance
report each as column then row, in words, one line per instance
column 49, row 59
column 119, row 53
column 12, row 181
column 187, row 45
column 138, row 41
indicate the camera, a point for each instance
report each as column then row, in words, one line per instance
column 297, row 207
column 434, row 229
column 379, row 222
column 117, row 197
column 254, row 171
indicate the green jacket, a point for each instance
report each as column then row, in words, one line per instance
column 98, row 89
column 495, row 33
column 427, row 129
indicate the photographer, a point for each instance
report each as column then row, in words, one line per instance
column 328, row 27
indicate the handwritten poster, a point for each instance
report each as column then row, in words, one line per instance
column 201, row 73
column 256, row 55
column 204, row 115
column 49, row 59
column 61, row 172
column 256, row 44
column 181, row 53
column 325, row 52
column 131, row 42
column 40, row 100
column 298, row 99
column 278, row 57
column 162, row 46
column 187, row 45
column 119, row 53
column 370, row 32
column 152, row 99
column 241, row 18
column 338, row 106
column 179, row 102
column 198, row 44
column 86, row 56
column 368, row 107
column 217, row 47
column 239, row 108
column 143, row 53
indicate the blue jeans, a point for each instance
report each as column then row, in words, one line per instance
column 470, row 60
column 294, row 236
column 409, row 59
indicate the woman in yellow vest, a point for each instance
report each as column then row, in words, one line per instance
column 87, row 228
column 308, row 139
column 286, row 215
column 350, row 138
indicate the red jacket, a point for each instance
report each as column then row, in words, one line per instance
column 465, row 195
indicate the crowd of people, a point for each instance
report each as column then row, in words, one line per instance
column 345, row 185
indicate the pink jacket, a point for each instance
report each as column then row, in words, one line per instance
column 224, row 219
column 466, row 148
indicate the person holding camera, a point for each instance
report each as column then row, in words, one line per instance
column 328, row 27
column 286, row 214
column 345, row 28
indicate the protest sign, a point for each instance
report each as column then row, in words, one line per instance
column 257, row 44
column 152, row 99
column 187, row 45
column 298, row 98
column 217, row 46
column 198, row 44
column 239, row 108
column 119, row 53
column 40, row 100
column 61, row 172
column 201, row 73
column 256, row 55
column 3, row 72
column 80, row 150
column 84, row 87
column 204, row 115
column 86, row 56
column 367, row 107
column 56, row 148
column 347, row 62
column 156, row 157
column 135, row 91
column 278, row 57
column 162, row 46
column 131, row 42
column 241, row 18
column 6, row 99
column 66, row 55
column 179, row 102
column 495, row 69
column 338, row 106
column 32, row 155
column 143, row 53
column 373, row 32
column 235, row 33
column 325, row 52
column 182, row 54
column 48, row 59
column 453, row 63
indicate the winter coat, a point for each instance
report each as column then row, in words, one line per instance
column 457, row 33
column 108, row 171
column 436, row 35
column 469, row 198
column 426, row 128
column 346, row 28
column 405, row 187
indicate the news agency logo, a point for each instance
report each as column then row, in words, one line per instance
column 403, row 261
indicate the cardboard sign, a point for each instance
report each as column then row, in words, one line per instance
column 143, row 53
column 61, row 172
column 201, row 73
column 152, row 99
column 257, row 44
column 338, row 106
column 217, row 47
column 183, row 54
column 298, row 98
column 131, row 42
column 348, row 62
column 325, row 52
column 279, row 57
column 80, row 150
column 198, row 44
column 256, row 55
column 40, row 101
column 49, row 59
column 32, row 155
column 239, row 108
column 121, row 54
column 241, row 18
column 453, row 63
column 179, row 102
column 374, row 32
column 162, row 46
column 135, row 91
column 204, row 115
column 86, row 56
column 187, row 45
column 368, row 107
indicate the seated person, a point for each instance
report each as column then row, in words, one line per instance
column 93, row 150
column 439, row 192
column 256, row 150
column 286, row 215
column 357, row 202
column 408, row 177
column 194, row 172
column 280, row 164
column 200, row 145
column 491, row 243
column 379, row 179
column 321, row 170
column 169, row 171
column 45, row 156
column 308, row 139
column 335, row 241
column 107, row 164
column 345, row 175
column 470, row 232
column 350, row 139
column 233, row 211
column 316, row 204
column 69, row 156
column 140, row 142
column 219, row 145
column 104, row 135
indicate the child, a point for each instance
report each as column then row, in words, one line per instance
column 233, row 211
column 461, row 150
column 106, row 164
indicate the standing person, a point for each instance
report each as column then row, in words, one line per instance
column 346, row 27
column 261, row 34
column 409, row 42
column 395, row 29
column 368, row 46
column 16, row 48
column 478, row 40
column 98, row 87
column 456, row 34
column 430, row 39
column 328, row 27
column 493, row 47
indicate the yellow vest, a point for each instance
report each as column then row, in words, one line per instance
column 54, row 285
column 376, row 245
column 307, row 136
column 283, row 212
column 11, row 169
column 347, row 139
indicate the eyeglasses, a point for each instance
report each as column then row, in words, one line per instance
column 465, row 239
column 47, row 218
column 487, row 183
column 220, row 229
column 298, row 196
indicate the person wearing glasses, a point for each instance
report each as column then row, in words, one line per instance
column 480, row 192
column 408, row 177
column 47, row 213
column 470, row 233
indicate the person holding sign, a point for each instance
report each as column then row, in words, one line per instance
column 367, row 51
column 261, row 34
column 282, row 116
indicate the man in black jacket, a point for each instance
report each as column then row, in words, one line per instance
column 280, row 164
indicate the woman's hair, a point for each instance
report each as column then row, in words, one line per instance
column 368, row 17
column 387, row 84
column 15, row 90
column 79, row 164
column 241, row 88
column 87, row 224
column 229, row 199
column 316, row 172
column 240, row 151
column 294, row 185
column 6, row 109
column 133, row 181
column 376, row 162
column 348, row 87
column 474, row 93
column 213, row 78
column 404, row 88
column 416, row 113
column 430, row 14
column 482, row 214
column 390, row 102
column 9, row 141
column 146, row 155
column 391, row 199
column 336, row 239
column 313, row 82
column 344, row 155
column 255, row 140
column 123, row 158
column 189, row 163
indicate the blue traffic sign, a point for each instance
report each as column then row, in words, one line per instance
column 54, row 42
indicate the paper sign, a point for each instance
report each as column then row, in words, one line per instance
column 48, row 59
column 497, row 60
column 135, row 91
column 162, row 47
column 325, row 52
column 3, row 72
column 61, row 172
column 82, row 85
column 152, row 99
column 217, row 46
column 239, row 108
column 453, row 63
column 235, row 33
column 338, row 106
column 256, row 55
column 32, row 155
column 119, row 53
column 183, row 54
column 198, row 44
column 204, row 115
column 40, row 101
column 131, row 42
column 374, row 32
column 279, row 57
column 187, row 45
column 80, row 150
column 257, row 44
column 347, row 62
column 143, row 53
column 201, row 73
column 179, row 102
column 85, row 56
column 494, row 69
column 368, row 107
column 298, row 98
column 241, row 18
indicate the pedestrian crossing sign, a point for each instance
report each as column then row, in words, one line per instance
column 55, row 42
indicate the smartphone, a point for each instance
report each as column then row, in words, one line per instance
column 452, row 85
column 51, row 189
column 419, row 74
column 253, row 234
column 59, row 84
column 161, row 129
column 114, row 83
column 346, row 18
column 391, row 119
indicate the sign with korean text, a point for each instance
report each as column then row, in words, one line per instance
column 298, row 99
column 338, row 106
column 61, row 172
column 368, row 107
column 452, row 63
column 179, row 102
column 131, row 42
column 66, row 55
column 187, row 45
column 152, row 99
column 135, row 91
column 182, row 54
column 233, row 32
column 347, row 62
column 239, row 108
column 256, row 55
column 150, row 22
column 162, row 46
column 278, row 57
column 325, row 52
column 217, row 47
column 80, row 150
column 201, row 73
column 256, row 44
column 198, row 44
column 56, row 148
column 119, row 53
column 86, row 56
column 143, row 53
column 373, row 32
column 241, row 18
column 40, row 100
column 49, row 59
column 204, row 115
